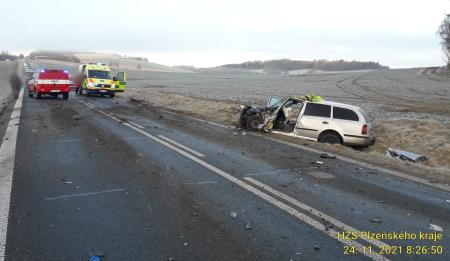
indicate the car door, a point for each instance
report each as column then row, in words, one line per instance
column 120, row 80
column 314, row 118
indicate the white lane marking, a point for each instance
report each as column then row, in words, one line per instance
column 196, row 119
column 7, row 158
column 367, row 165
column 313, row 211
column 69, row 140
column 349, row 160
column 196, row 153
column 302, row 217
column 85, row 194
column 120, row 99
column 135, row 124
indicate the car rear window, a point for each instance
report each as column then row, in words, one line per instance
column 344, row 114
column 318, row 110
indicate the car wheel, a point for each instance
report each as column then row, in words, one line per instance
column 112, row 95
column 330, row 137
column 30, row 94
column 38, row 95
column 65, row 96
column 253, row 122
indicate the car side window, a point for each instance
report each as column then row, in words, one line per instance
column 344, row 114
column 318, row 110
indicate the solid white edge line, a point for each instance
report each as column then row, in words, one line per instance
column 135, row 124
column 313, row 211
column 120, row 99
column 302, row 217
column 7, row 158
column 367, row 165
column 346, row 159
column 182, row 146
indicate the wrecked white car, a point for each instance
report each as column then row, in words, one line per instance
column 312, row 118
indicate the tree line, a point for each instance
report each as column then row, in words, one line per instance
column 290, row 65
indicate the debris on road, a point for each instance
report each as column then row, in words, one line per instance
column 436, row 228
column 405, row 155
column 66, row 181
column 185, row 244
column 317, row 162
column 316, row 247
column 76, row 117
column 381, row 201
column 233, row 214
column 327, row 156
column 95, row 255
column 375, row 220
column 248, row 225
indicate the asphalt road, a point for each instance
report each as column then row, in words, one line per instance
column 137, row 183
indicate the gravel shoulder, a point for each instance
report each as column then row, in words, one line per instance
column 409, row 107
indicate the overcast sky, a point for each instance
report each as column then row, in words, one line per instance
column 398, row 33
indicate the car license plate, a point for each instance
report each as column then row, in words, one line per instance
column 103, row 90
column 55, row 91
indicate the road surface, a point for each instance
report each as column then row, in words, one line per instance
column 137, row 183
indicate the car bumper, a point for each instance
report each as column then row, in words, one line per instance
column 363, row 141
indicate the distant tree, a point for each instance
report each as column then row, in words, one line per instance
column 444, row 33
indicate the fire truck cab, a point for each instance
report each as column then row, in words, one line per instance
column 51, row 82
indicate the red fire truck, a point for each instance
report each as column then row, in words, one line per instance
column 51, row 82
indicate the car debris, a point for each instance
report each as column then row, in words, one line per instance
column 95, row 255
column 248, row 225
column 327, row 156
column 405, row 155
column 436, row 228
column 310, row 117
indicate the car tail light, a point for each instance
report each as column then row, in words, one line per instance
column 365, row 129
column 91, row 80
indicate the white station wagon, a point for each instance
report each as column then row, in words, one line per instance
column 317, row 120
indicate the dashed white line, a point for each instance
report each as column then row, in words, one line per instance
column 7, row 158
column 137, row 125
column 196, row 153
column 302, row 217
column 312, row 210
column 84, row 194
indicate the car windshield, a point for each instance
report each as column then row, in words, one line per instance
column 277, row 104
column 99, row 74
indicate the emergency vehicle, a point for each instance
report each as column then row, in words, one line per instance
column 96, row 78
column 51, row 82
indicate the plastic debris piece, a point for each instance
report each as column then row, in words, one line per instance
column 185, row 244
column 316, row 247
column 318, row 162
column 327, row 156
column 375, row 220
column 233, row 214
column 405, row 155
column 436, row 228
column 248, row 225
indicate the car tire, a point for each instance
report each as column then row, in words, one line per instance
column 253, row 122
column 112, row 95
column 38, row 95
column 330, row 137
column 30, row 94
column 65, row 96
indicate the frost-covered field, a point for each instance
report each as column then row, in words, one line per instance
column 410, row 107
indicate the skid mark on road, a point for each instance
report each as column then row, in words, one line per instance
column 7, row 158
column 275, row 202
